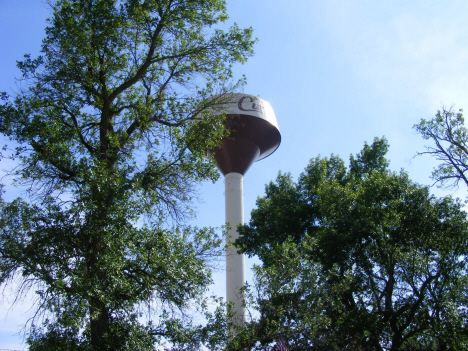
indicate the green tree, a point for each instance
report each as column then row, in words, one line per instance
column 450, row 137
column 102, row 127
column 357, row 259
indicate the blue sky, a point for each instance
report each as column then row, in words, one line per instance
column 337, row 73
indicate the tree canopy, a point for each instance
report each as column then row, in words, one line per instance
column 357, row 258
column 109, row 130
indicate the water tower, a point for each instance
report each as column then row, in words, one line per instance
column 253, row 135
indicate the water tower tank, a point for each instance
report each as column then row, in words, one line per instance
column 253, row 133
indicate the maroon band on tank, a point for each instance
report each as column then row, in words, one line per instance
column 250, row 139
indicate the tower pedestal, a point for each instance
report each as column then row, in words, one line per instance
column 235, row 263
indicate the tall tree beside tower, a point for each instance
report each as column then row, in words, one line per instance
column 101, row 130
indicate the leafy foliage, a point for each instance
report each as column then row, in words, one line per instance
column 448, row 132
column 110, row 130
column 357, row 259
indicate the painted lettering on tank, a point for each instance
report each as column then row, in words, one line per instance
column 250, row 99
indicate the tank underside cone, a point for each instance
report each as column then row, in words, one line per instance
column 250, row 139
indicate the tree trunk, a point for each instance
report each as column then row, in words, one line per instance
column 99, row 324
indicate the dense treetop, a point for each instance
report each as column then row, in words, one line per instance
column 357, row 258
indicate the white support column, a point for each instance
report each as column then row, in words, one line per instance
column 235, row 263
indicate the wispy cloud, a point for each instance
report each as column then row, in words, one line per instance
column 402, row 52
